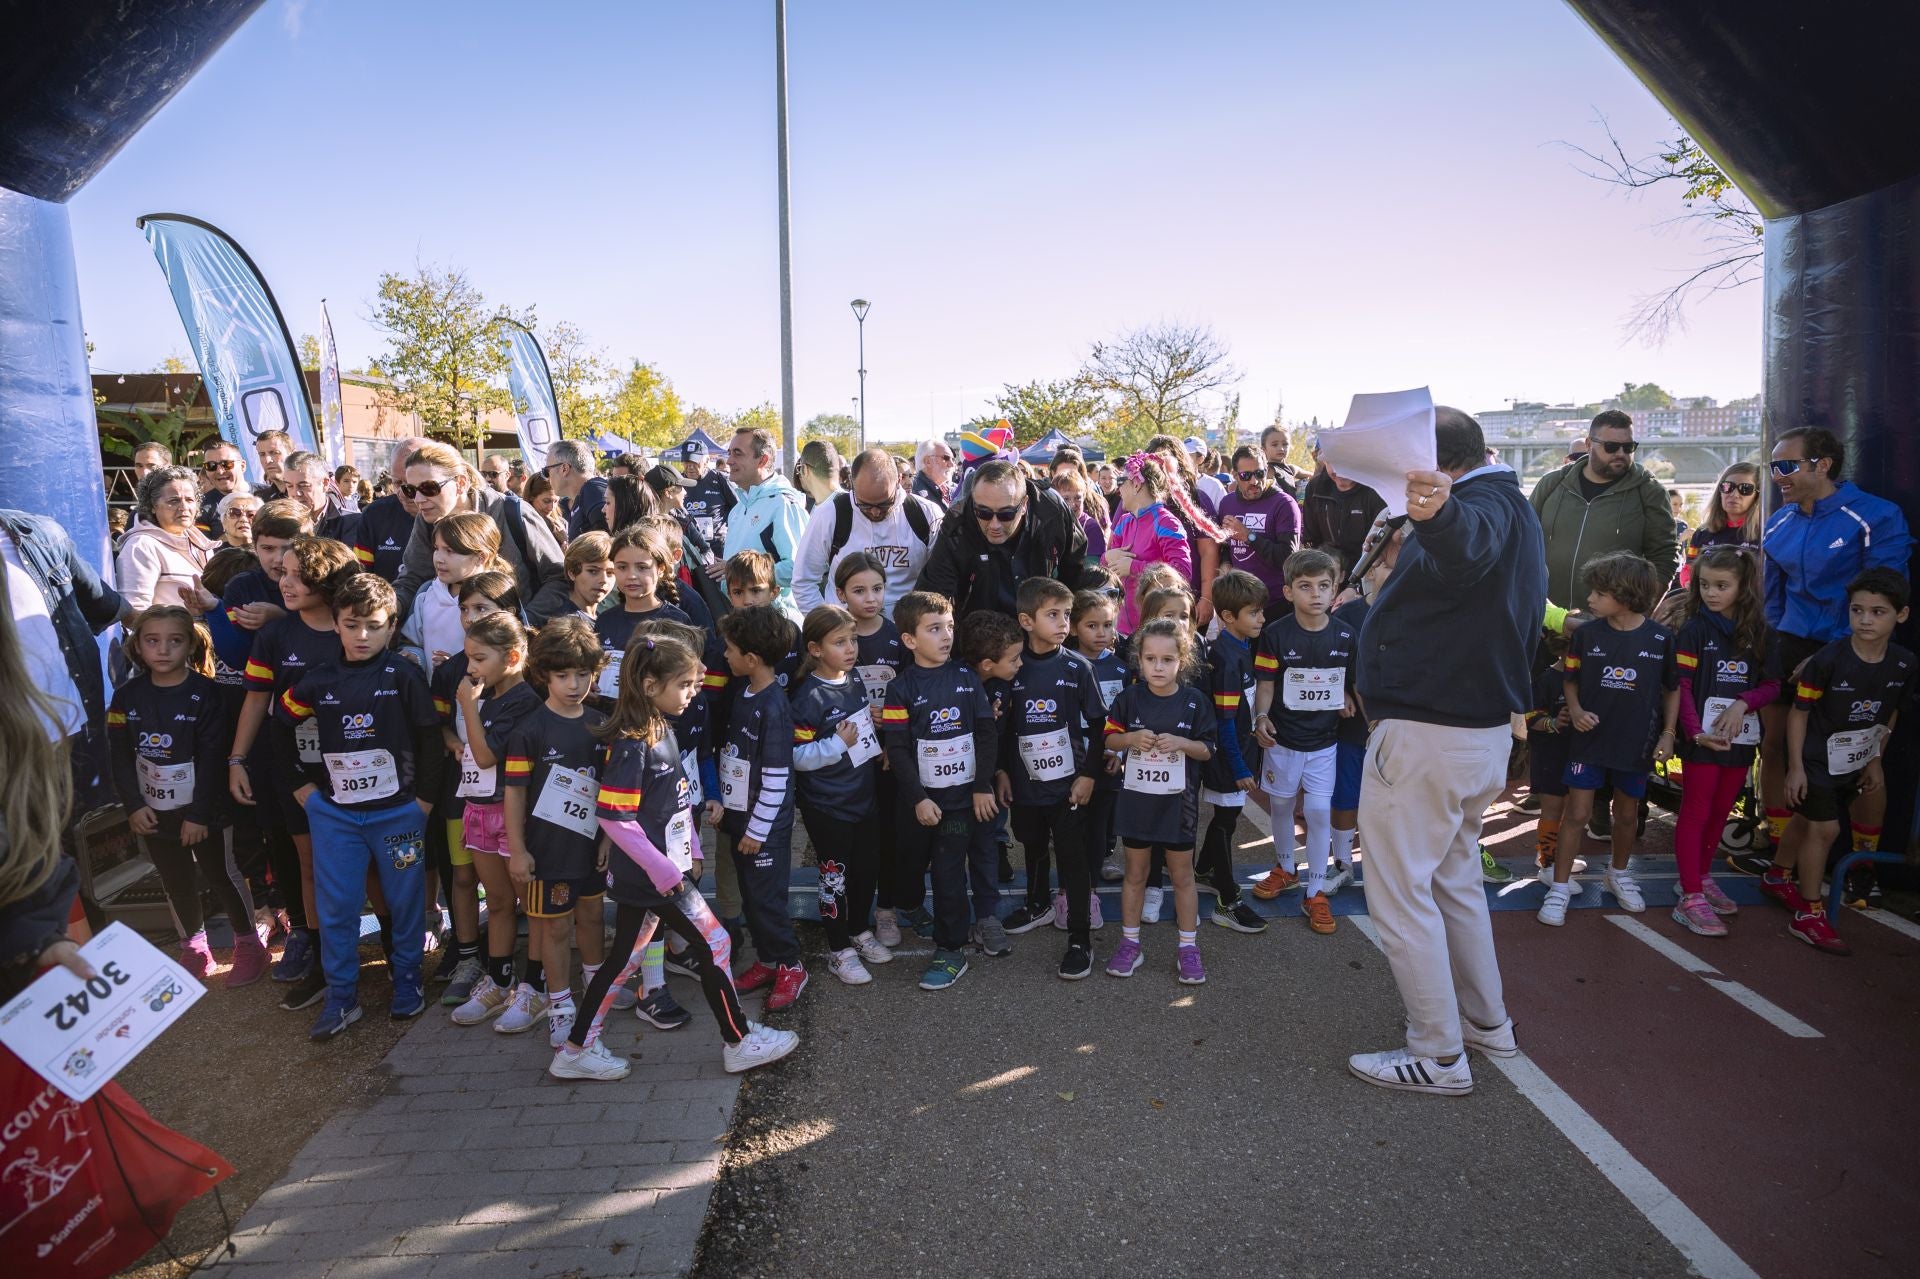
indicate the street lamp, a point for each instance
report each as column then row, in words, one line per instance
column 860, row 308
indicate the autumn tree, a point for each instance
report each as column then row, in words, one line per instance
column 444, row 356
column 644, row 409
column 841, row 430
column 309, row 351
column 1034, row 408
column 1155, row 380
column 580, row 374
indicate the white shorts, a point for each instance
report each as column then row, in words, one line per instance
column 1285, row 773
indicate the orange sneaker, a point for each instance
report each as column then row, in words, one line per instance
column 1319, row 914
column 1276, row 881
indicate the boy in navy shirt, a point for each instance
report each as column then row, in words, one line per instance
column 755, row 806
column 1621, row 682
column 380, row 757
column 1240, row 602
column 1052, row 751
column 939, row 732
column 990, row 644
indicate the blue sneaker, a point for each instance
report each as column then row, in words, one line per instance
column 409, row 999
column 296, row 959
column 948, row 967
column 659, row 1009
column 334, row 1018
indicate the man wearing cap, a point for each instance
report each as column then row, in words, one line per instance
column 1209, row 484
column 709, row 499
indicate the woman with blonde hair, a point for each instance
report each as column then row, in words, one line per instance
column 437, row 483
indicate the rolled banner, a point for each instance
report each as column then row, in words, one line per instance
column 534, row 403
column 333, row 413
column 240, row 340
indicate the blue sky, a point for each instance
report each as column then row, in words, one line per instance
column 1356, row 197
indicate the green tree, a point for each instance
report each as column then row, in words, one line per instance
column 763, row 416
column 309, row 349
column 1647, row 395
column 444, row 356
column 121, row 434
column 841, row 430
column 705, row 419
column 1154, row 380
column 1034, row 408
column 580, row 374
column 645, row 409
column 174, row 363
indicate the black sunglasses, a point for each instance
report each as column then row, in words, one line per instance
column 1616, row 446
column 1251, row 475
column 226, row 465
column 1005, row 515
column 1730, row 486
column 875, row 510
column 432, row 488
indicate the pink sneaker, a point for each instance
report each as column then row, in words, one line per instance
column 1060, row 909
column 1716, row 898
column 196, row 956
column 1095, row 921
column 1696, row 916
column 250, row 960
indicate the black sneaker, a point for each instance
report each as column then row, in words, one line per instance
column 1006, row 863
column 1862, row 889
column 1028, row 918
column 1076, row 963
column 1529, row 803
column 1240, row 917
column 1600, row 825
column 449, row 960
column 306, row 992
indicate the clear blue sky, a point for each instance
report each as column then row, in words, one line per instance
column 1356, row 197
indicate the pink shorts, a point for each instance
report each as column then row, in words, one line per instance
column 484, row 828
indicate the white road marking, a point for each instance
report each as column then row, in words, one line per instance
column 1886, row 918
column 1708, row 1254
column 1770, row 1012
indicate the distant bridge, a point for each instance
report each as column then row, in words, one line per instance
column 1696, row 459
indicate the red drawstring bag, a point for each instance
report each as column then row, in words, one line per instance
column 86, row 1188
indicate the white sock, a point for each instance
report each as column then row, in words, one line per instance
column 1343, row 847
column 1319, row 810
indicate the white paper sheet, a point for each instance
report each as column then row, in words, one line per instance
column 1385, row 436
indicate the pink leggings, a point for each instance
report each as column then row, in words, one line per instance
column 1707, row 792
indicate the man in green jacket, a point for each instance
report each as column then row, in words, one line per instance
column 1600, row 503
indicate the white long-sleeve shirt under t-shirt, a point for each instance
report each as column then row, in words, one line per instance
column 892, row 541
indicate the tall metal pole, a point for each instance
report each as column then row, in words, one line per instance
column 788, row 442
column 862, row 322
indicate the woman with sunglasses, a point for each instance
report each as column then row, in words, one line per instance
column 1825, row 533
column 1733, row 516
column 436, row 483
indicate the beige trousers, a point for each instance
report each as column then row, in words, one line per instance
column 1423, row 793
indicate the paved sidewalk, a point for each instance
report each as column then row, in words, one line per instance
column 477, row 1164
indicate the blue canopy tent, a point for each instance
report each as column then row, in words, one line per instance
column 674, row 454
column 1043, row 449
column 609, row 443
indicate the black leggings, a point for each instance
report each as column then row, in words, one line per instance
column 708, row 952
column 175, row 863
column 849, row 856
column 283, row 860
column 1215, row 863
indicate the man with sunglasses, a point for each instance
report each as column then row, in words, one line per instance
column 570, row 470
column 1602, row 503
column 1005, row 530
column 876, row 516
column 221, row 472
column 1261, row 519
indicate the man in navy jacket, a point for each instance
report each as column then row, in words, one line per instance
column 1445, row 658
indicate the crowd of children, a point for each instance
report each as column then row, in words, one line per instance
column 536, row 773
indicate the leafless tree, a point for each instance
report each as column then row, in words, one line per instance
column 1154, row 376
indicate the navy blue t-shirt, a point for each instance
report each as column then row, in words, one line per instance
column 842, row 789
column 169, row 749
column 1051, row 728
column 756, row 756
column 644, row 783
column 541, row 743
column 1312, row 672
column 1160, row 799
column 1230, row 683
column 1621, row 676
column 939, row 732
column 369, row 716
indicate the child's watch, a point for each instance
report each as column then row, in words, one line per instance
column 236, row 761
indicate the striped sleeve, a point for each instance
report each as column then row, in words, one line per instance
column 363, row 553
column 1686, row 661
column 258, row 674
column 1114, row 726
column 893, row 716
column 1805, row 694
column 1571, row 662
column 116, row 719
column 1226, row 701
column 519, row 766
column 803, row 733
column 294, row 707
column 618, row 805
column 768, row 803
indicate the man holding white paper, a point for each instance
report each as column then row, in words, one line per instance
column 1445, row 657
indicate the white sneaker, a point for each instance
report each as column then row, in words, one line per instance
column 487, row 1000
column 523, row 1011
column 559, row 1025
column 593, row 1062
column 846, row 965
column 1572, row 885
column 886, row 927
column 1554, row 909
column 1625, row 890
column 872, row 950
column 1341, row 876
column 762, row 1047
column 1498, row 1042
column 1406, row 1071
column 1150, row 908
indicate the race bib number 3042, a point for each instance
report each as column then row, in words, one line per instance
column 77, row 1034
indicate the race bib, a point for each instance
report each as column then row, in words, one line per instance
column 1156, row 772
column 680, row 840
column 362, row 776
column 165, row 787
column 946, row 763
column 706, row 526
column 306, row 739
column 1849, row 752
column 1110, row 689
column 475, row 781
column 690, row 765
column 1749, row 734
column 1048, row 757
column 567, row 801
column 866, row 743
column 734, row 780
column 876, row 679
column 1315, row 688
column 609, row 682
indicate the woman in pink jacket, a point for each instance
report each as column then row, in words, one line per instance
column 161, row 556
column 1146, row 532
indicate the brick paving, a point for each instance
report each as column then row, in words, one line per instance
column 477, row 1164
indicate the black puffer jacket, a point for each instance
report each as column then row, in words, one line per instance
column 977, row 575
column 1334, row 521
